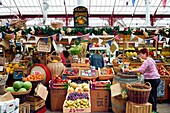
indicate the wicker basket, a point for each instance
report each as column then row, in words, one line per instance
column 139, row 93
column 23, row 96
column 3, row 79
column 56, row 68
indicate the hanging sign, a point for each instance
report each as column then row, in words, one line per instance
column 80, row 16
column 43, row 46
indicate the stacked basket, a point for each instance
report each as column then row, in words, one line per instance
column 139, row 93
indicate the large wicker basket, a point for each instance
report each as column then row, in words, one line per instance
column 56, row 68
column 139, row 93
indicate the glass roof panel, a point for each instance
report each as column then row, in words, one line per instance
column 122, row 7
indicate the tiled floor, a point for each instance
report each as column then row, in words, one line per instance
column 162, row 108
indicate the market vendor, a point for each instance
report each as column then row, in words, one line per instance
column 151, row 75
column 66, row 58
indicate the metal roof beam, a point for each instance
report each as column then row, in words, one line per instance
column 92, row 15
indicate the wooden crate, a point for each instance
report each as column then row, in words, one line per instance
column 33, row 99
column 24, row 108
column 138, row 108
column 87, row 77
column 57, row 98
column 77, row 110
column 36, row 103
column 105, row 76
column 80, row 65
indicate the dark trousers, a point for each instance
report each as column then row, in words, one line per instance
column 153, row 94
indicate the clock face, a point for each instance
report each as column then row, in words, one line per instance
column 40, row 69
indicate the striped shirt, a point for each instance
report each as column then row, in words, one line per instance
column 149, row 69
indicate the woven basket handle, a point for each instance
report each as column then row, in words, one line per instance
column 50, row 56
column 147, row 84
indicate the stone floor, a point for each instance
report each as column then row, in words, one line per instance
column 162, row 108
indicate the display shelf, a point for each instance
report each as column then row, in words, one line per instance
column 97, row 48
column 138, row 64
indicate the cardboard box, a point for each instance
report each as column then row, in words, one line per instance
column 8, row 104
column 100, row 99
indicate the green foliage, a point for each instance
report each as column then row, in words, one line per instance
column 75, row 50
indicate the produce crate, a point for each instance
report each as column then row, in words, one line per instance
column 87, row 77
column 36, row 103
column 100, row 99
column 138, row 108
column 78, row 110
column 71, row 73
column 80, row 65
column 58, row 85
column 57, row 98
column 24, row 108
column 100, row 85
column 106, row 74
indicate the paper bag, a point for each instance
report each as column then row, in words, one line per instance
column 41, row 91
column 6, row 97
column 115, row 90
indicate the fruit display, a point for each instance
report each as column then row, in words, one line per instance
column 162, row 71
column 76, row 95
column 107, row 71
column 79, row 103
column 58, row 83
column 71, row 71
column 130, row 54
column 80, row 81
column 88, row 72
column 57, row 79
column 101, row 85
column 19, row 86
column 80, row 88
column 34, row 77
column 165, row 53
column 10, row 68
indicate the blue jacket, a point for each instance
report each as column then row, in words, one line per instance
column 97, row 61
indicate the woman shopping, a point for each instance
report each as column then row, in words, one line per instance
column 151, row 75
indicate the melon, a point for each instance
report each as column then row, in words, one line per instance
column 22, row 90
column 17, row 84
column 27, row 85
column 10, row 89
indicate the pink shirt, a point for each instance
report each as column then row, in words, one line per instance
column 149, row 70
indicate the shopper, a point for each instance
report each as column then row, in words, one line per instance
column 151, row 75
column 97, row 60
column 105, row 58
column 66, row 58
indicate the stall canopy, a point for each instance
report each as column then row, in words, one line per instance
column 123, row 12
